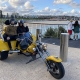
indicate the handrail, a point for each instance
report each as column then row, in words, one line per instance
column 50, row 22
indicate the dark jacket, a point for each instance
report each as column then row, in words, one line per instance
column 22, row 29
column 76, row 29
column 11, row 30
column 7, row 22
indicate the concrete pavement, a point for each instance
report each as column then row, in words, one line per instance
column 15, row 67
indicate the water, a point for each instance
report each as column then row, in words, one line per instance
column 45, row 27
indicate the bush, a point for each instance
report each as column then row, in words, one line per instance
column 49, row 33
column 61, row 30
column 55, row 33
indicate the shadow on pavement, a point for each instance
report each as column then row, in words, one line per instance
column 72, row 43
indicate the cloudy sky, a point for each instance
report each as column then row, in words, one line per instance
column 41, row 7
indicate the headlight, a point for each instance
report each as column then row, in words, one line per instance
column 34, row 49
column 44, row 46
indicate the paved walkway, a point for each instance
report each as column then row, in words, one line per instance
column 15, row 67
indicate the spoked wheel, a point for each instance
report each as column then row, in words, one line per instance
column 56, row 69
column 3, row 55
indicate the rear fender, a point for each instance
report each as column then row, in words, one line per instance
column 4, row 45
column 55, row 59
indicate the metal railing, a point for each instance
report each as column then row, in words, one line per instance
column 44, row 27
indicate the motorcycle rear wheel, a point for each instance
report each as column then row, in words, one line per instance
column 56, row 69
column 3, row 55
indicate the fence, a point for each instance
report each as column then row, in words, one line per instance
column 44, row 25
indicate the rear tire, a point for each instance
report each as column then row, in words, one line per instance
column 3, row 55
column 57, row 69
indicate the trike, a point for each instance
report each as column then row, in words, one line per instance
column 34, row 47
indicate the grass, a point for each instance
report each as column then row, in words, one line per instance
column 2, row 20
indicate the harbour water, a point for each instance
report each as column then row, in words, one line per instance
column 44, row 25
column 44, row 28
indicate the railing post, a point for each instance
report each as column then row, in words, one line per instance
column 38, row 34
column 58, row 32
column 64, row 46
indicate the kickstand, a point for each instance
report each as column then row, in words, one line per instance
column 33, row 58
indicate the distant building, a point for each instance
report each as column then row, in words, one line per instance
column 0, row 13
column 53, row 17
column 16, row 15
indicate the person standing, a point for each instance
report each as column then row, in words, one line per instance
column 70, row 27
column 76, row 30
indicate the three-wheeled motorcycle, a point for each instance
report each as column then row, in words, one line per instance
column 33, row 47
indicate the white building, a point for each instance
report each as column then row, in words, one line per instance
column 15, row 14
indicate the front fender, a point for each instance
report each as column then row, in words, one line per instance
column 55, row 59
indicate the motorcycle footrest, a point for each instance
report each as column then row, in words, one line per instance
column 32, row 60
column 14, row 51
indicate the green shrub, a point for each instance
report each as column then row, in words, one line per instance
column 55, row 33
column 61, row 30
column 49, row 33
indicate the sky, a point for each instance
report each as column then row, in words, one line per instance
column 41, row 7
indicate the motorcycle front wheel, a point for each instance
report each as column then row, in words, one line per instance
column 56, row 69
